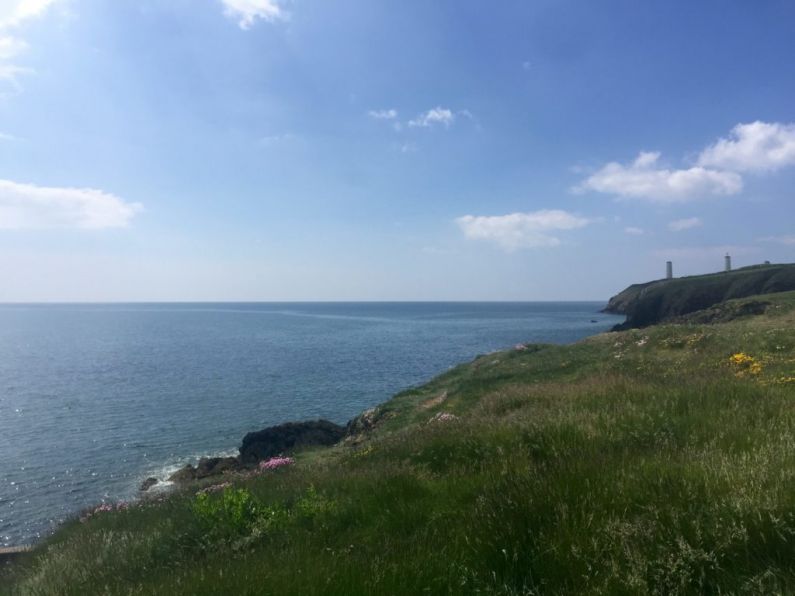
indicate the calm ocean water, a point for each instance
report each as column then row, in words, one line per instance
column 95, row 398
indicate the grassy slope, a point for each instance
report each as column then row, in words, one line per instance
column 629, row 463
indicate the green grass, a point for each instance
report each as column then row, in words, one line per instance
column 641, row 462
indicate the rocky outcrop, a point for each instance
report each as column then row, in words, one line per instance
column 258, row 446
column 664, row 300
column 281, row 439
column 148, row 483
column 207, row 466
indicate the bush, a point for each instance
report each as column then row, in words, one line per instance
column 230, row 513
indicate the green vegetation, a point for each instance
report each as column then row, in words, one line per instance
column 654, row 461
column 661, row 300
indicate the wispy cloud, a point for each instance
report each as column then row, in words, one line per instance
column 383, row 114
column 436, row 116
column 11, row 47
column 520, row 230
column 247, row 12
column 10, row 74
column 786, row 240
column 679, row 225
column 13, row 15
column 633, row 231
column 274, row 139
column 432, row 118
column 754, row 147
column 645, row 179
column 27, row 206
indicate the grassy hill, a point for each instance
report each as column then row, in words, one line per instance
column 654, row 461
column 660, row 300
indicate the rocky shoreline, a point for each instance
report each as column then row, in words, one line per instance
column 274, row 441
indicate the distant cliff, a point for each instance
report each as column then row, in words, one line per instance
column 656, row 301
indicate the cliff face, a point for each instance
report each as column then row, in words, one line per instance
column 661, row 300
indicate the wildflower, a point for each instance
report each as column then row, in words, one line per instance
column 741, row 358
column 215, row 488
column 745, row 364
column 275, row 462
column 444, row 417
column 104, row 508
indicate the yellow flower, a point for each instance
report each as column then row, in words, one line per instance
column 745, row 364
column 740, row 358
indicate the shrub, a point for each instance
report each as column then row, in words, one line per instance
column 232, row 512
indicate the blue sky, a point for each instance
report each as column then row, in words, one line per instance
column 372, row 150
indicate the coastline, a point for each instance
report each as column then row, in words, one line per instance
column 162, row 472
column 588, row 426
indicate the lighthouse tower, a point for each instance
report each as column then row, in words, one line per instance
column 728, row 262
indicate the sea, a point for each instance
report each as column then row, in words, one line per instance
column 95, row 398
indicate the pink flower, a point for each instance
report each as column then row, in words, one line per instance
column 215, row 488
column 275, row 462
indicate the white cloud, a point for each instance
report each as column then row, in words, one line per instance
column 685, row 224
column 14, row 13
column 10, row 75
column 383, row 114
column 438, row 115
column 520, row 230
column 27, row 206
column 246, row 12
column 754, row 147
column 644, row 179
column 11, row 46
column 786, row 240
column 633, row 231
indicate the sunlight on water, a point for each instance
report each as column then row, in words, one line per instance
column 93, row 399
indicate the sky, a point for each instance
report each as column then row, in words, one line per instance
column 279, row 150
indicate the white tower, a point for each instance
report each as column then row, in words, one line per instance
column 728, row 262
column 669, row 270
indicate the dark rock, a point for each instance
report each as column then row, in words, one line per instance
column 213, row 466
column 207, row 466
column 182, row 475
column 277, row 440
column 148, row 483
